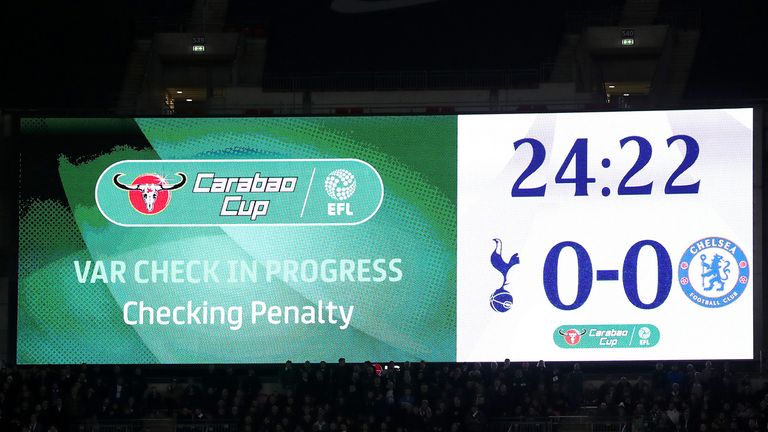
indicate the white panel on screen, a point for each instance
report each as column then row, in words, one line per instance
column 633, row 232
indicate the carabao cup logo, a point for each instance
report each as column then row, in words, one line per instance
column 340, row 185
column 149, row 193
column 713, row 272
column 572, row 336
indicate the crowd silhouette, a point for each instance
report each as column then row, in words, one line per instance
column 374, row 397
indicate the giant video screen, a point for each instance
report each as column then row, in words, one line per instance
column 578, row 236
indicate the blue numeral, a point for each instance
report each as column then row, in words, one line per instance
column 539, row 153
column 629, row 274
column 691, row 154
column 581, row 179
column 642, row 160
column 550, row 275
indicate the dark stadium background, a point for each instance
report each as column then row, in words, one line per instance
column 71, row 55
column 70, row 58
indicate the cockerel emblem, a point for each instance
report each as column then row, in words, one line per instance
column 501, row 299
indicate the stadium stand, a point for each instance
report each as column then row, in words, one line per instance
column 246, row 72
column 391, row 397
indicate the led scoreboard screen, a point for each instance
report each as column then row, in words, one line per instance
column 616, row 236
column 571, row 236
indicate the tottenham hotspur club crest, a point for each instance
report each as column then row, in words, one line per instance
column 501, row 299
column 713, row 272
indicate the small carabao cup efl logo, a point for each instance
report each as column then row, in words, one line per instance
column 572, row 336
column 713, row 272
column 149, row 193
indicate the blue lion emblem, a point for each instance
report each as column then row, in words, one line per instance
column 714, row 272
column 711, row 292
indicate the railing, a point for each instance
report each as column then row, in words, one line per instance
column 158, row 425
column 546, row 424
column 557, row 423
column 521, row 426
column 296, row 109
column 207, row 427
column 406, row 80
column 578, row 20
column 684, row 17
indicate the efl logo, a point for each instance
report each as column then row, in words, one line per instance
column 340, row 185
column 149, row 193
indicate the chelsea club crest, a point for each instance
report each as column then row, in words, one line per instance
column 713, row 272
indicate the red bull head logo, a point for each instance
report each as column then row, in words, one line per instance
column 572, row 336
column 149, row 193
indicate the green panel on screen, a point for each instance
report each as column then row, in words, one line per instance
column 347, row 247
